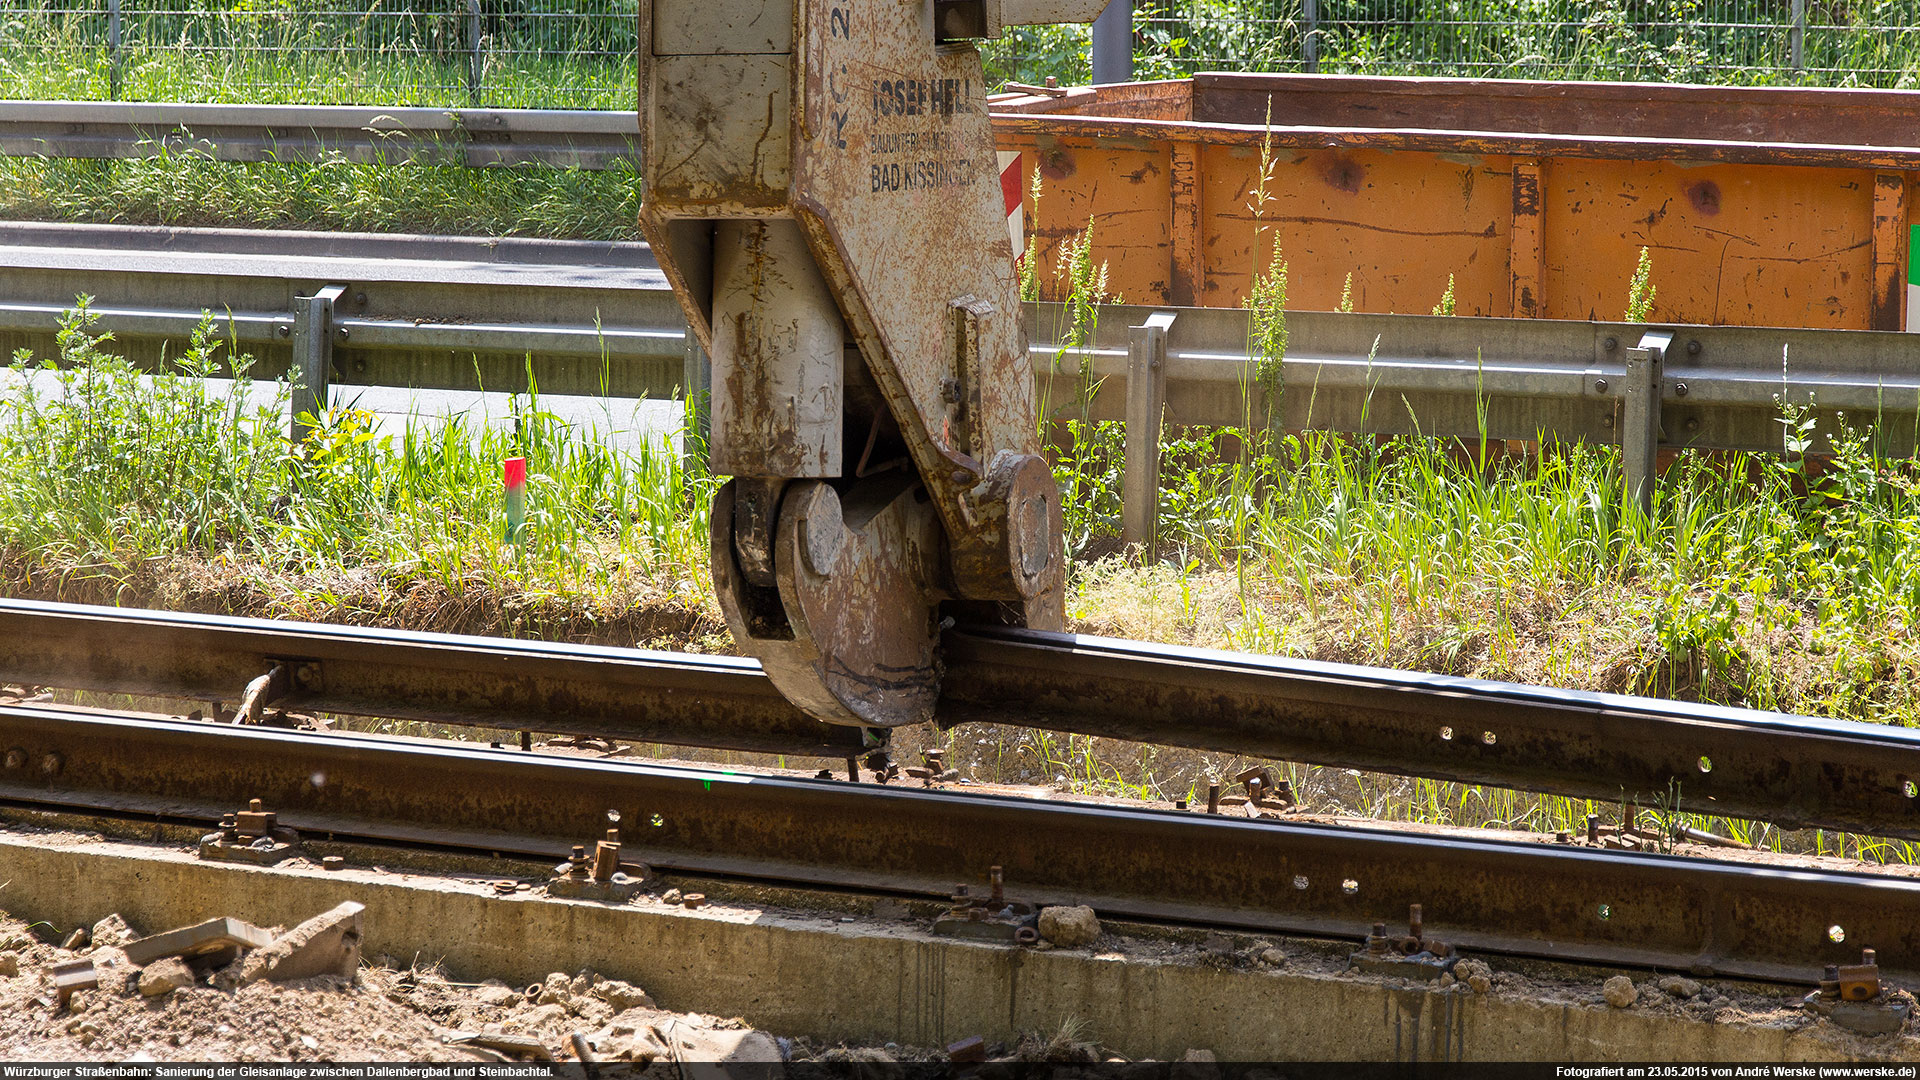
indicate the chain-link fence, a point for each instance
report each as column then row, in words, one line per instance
column 579, row 53
column 1711, row 41
column 565, row 54
column 1832, row 43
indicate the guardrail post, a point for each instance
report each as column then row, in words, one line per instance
column 113, row 50
column 1640, row 419
column 1146, row 403
column 474, row 62
column 1113, row 43
column 313, row 335
column 696, row 388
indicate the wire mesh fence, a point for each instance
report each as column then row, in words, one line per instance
column 580, row 53
column 1711, row 41
column 1742, row 42
column 564, row 54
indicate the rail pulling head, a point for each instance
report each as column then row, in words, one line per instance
column 823, row 193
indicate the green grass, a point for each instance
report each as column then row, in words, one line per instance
column 333, row 195
column 117, row 485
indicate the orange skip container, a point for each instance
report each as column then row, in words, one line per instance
column 1760, row 206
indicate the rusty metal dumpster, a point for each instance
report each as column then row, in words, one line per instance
column 1759, row 206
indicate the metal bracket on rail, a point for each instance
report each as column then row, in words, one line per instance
column 1412, row 955
column 598, row 876
column 253, row 835
column 993, row 916
column 1852, row 996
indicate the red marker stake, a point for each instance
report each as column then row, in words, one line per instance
column 514, row 470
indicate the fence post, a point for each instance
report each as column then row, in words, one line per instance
column 1113, row 43
column 1310, row 35
column 313, row 334
column 1797, row 37
column 113, row 50
column 1146, row 403
column 696, row 387
column 474, row 64
column 1640, row 419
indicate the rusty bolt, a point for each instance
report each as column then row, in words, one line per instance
column 1593, row 828
column 998, row 881
column 16, row 758
column 1867, row 957
column 51, row 763
column 694, row 899
column 1213, row 798
column 1679, row 389
column 333, row 862
column 1599, row 386
column 1179, row 804
column 1052, row 82
column 1612, row 343
column 254, row 806
column 1563, row 837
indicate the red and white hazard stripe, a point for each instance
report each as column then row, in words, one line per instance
column 1013, row 190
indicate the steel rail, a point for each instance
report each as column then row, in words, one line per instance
column 714, row 701
column 1708, row 916
column 1795, row 771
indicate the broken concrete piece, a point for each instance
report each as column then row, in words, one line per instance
column 9, row 964
column 521, row 1046
column 1069, row 926
column 1619, row 991
column 623, row 995
column 1679, row 987
column 327, row 944
column 112, row 930
column 164, row 976
column 213, row 943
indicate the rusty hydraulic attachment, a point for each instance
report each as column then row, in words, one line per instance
column 823, row 193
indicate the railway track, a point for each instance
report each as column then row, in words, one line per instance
column 1795, row 771
column 1567, row 902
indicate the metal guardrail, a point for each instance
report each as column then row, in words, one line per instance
column 1644, row 388
column 1716, row 387
column 366, row 134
